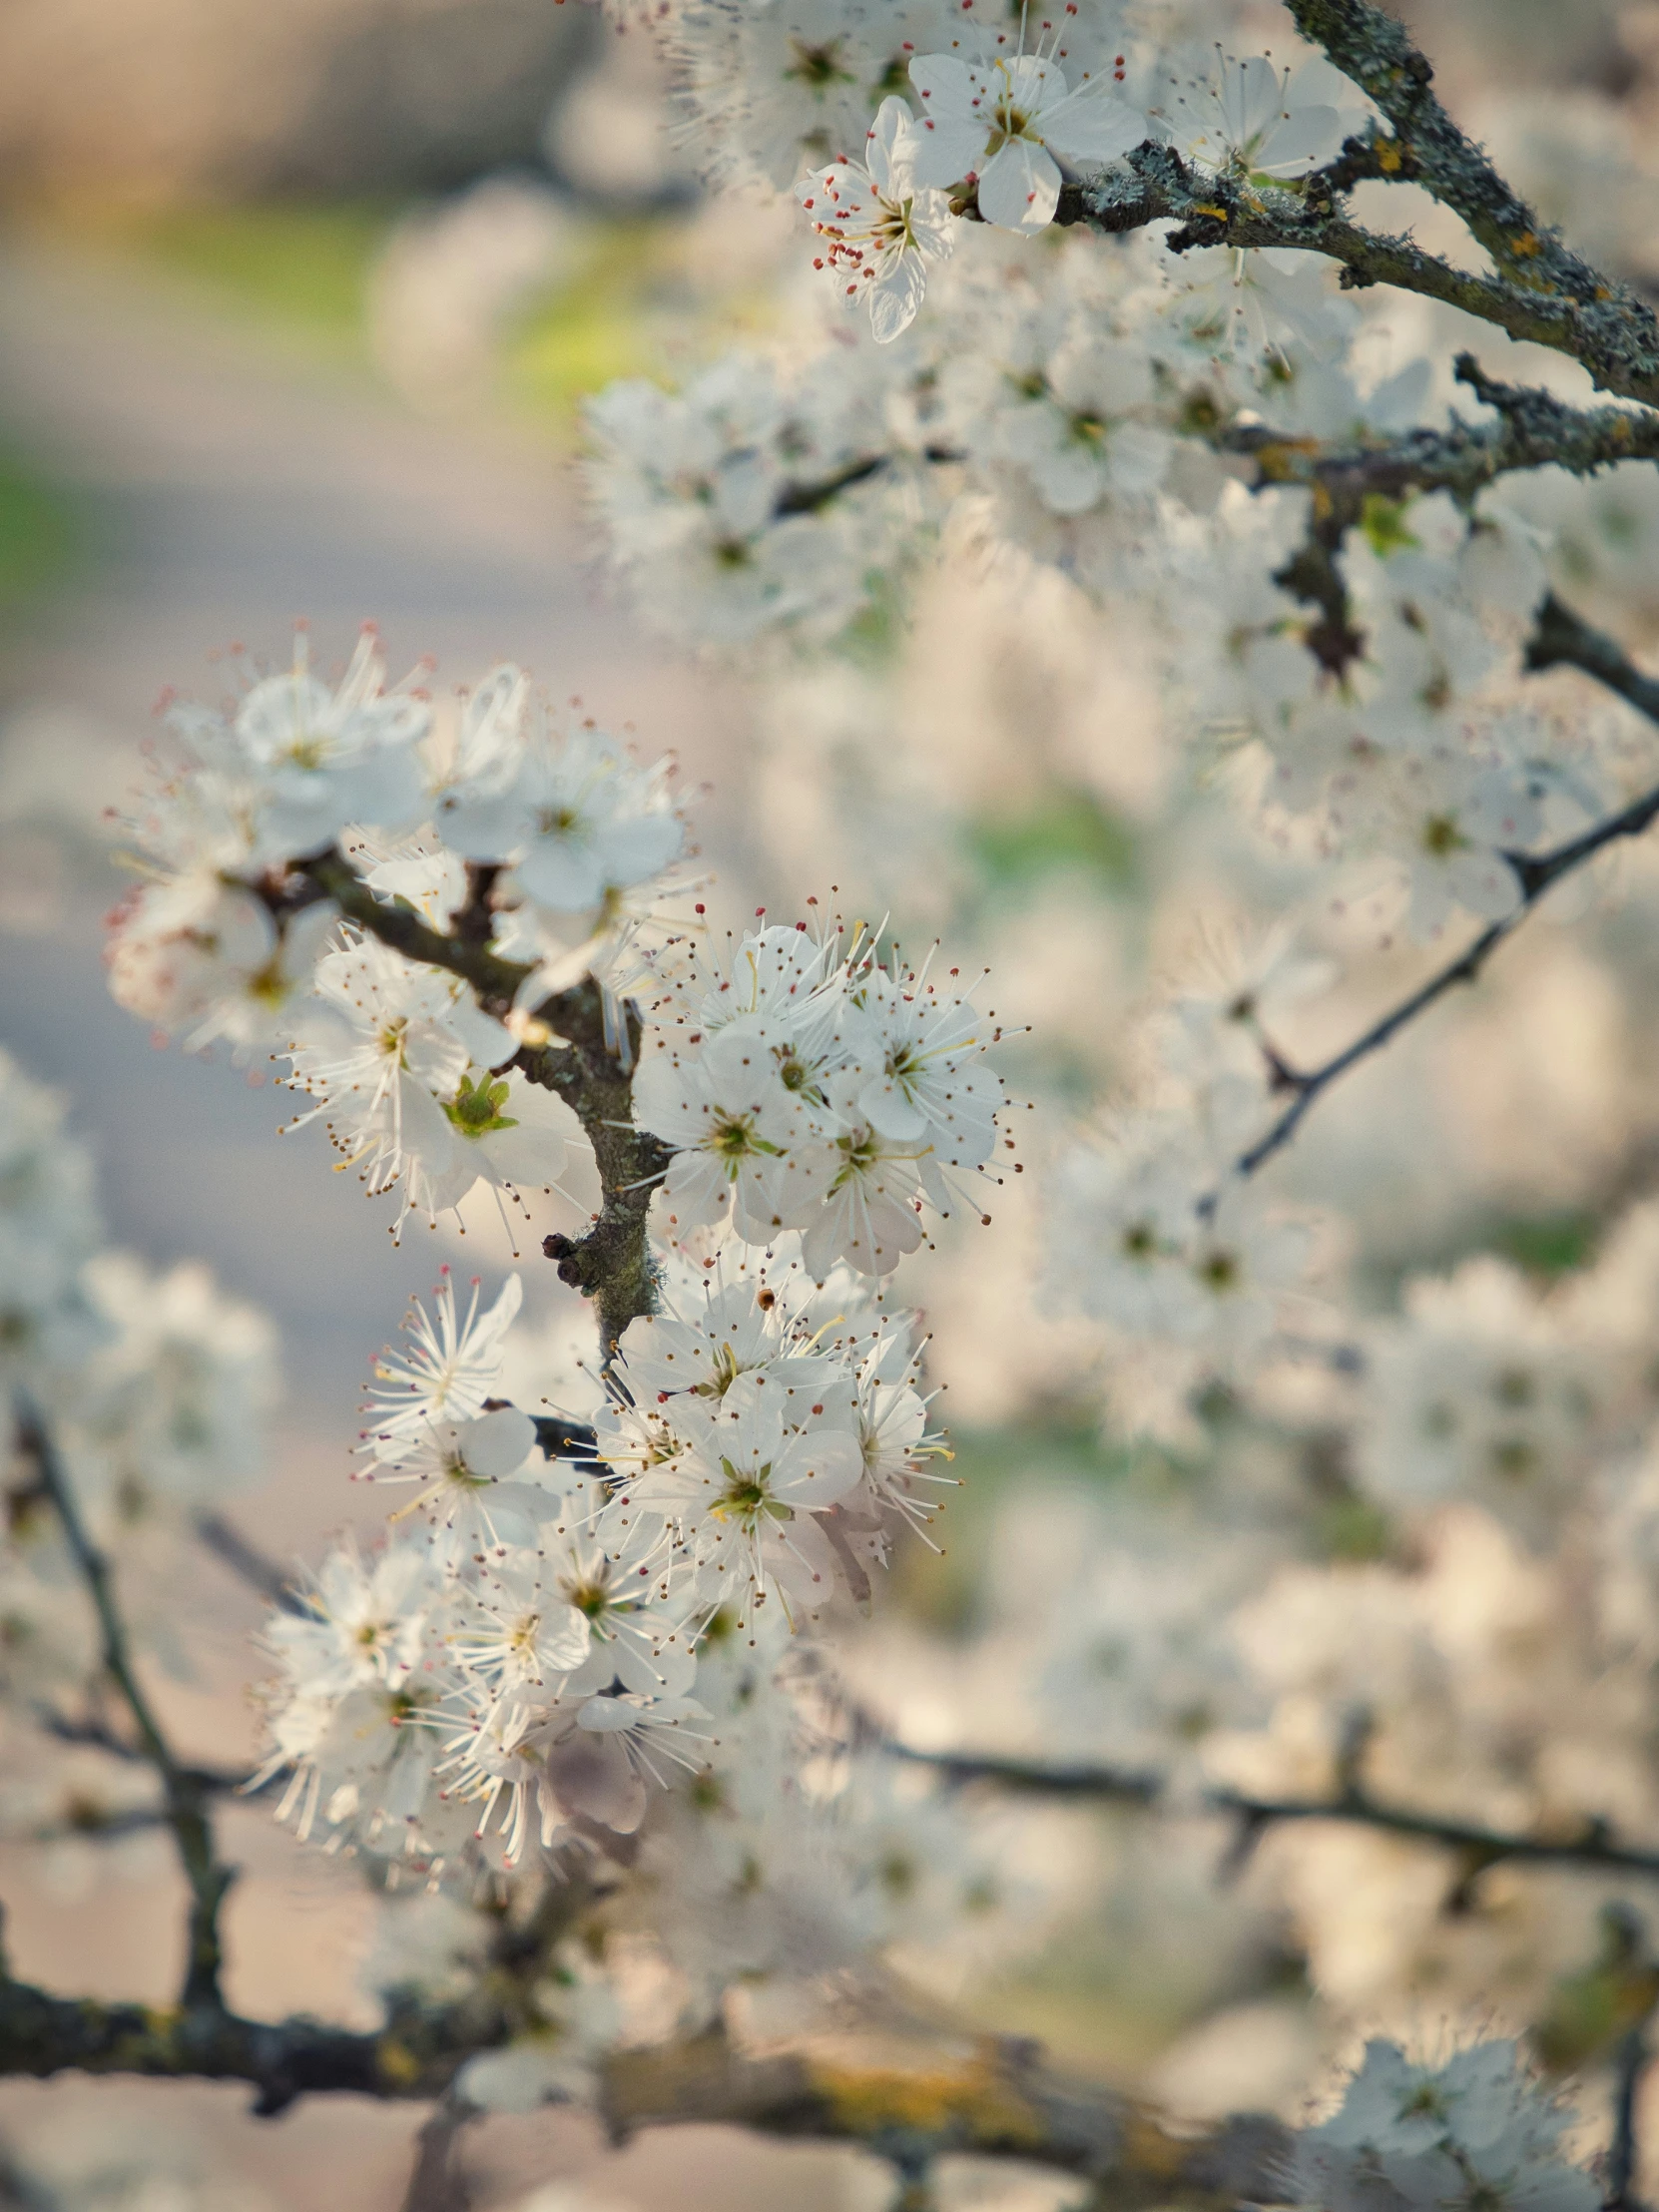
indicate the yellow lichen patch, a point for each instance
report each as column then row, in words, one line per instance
column 966, row 2102
column 1205, row 207
column 397, row 2062
column 1526, row 245
column 1150, row 2153
column 1279, row 461
column 1390, row 158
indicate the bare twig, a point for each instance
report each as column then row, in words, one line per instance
column 97, row 1735
column 1561, row 637
column 438, row 2182
column 1624, row 2156
column 1127, row 1786
column 248, row 1562
column 1309, row 1084
column 182, row 1787
column 1483, row 1846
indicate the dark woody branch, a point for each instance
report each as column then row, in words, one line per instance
column 1563, row 639
column 1535, row 431
column 965, row 2094
column 580, row 1063
column 1609, row 332
column 1375, row 51
column 1593, row 1849
column 1539, row 289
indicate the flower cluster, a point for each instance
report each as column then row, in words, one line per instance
column 1480, row 2130
column 518, row 1663
column 805, row 1084
column 741, row 505
column 552, row 841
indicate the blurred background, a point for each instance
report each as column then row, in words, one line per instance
column 298, row 307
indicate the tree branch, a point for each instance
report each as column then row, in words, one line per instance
column 1562, row 639
column 1624, row 2155
column 248, row 1562
column 1308, row 1084
column 904, row 2098
column 42, row 2035
column 494, row 982
column 612, row 1262
column 1554, row 300
column 1374, row 50
column 439, row 2183
column 96, row 1735
column 983, row 2095
column 183, row 1787
column 1114, row 1785
column 1535, row 431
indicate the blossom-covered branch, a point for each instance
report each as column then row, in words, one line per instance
column 1613, row 337
column 586, row 1069
column 1561, row 637
column 1535, row 431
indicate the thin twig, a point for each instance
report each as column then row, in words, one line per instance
column 182, row 1787
column 1308, row 1084
column 1624, row 2157
column 1562, row 637
column 1126, row 1786
column 97, row 1735
column 248, row 1563
column 438, row 2182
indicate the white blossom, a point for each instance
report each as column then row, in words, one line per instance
column 1003, row 124
column 881, row 230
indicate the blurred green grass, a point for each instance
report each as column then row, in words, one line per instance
column 304, row 271
column 595, row 327
column 1065, row 828
column 302, row 265
column 40, row 538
